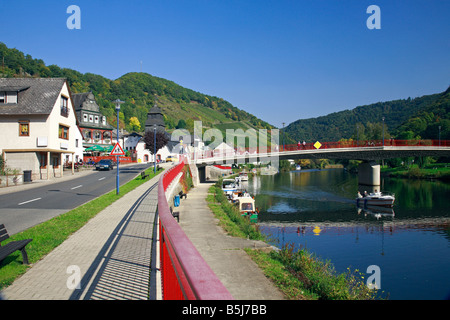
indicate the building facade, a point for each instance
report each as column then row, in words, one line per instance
column 92, row 123
column 38, row 125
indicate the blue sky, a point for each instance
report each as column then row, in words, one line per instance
column 279, row 60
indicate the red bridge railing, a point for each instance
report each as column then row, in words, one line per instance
column 323, row 145
column 184, row 273
column 368, row 143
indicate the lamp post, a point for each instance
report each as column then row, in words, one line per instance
column 439, row 136
column 154, row 148
column 383, row 131
column 357, row 135
column 283, row 134
column 117, row 103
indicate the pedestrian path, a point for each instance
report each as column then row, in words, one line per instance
column 111, row 255
column 223, row 253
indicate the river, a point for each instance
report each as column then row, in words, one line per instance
column 410, row 243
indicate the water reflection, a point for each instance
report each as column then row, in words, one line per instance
column 410, row 242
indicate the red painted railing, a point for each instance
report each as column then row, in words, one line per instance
column 368, row 143
column 184, row 273
column 329, row 145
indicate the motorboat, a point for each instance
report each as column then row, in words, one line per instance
column 247, row 208
column 229, row 185
column 243, row 176
column 375, row 199
column 234, row 196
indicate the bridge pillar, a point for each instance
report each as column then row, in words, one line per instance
column 369, row 173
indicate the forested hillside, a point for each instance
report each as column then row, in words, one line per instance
column 403, row 119
column 181, row 106
column 425, row 123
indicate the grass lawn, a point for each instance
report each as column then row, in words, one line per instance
column 48, row 235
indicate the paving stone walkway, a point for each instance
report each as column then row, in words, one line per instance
column 111, row 255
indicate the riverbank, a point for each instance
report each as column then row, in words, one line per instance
column 297, row 273
column 439, row 171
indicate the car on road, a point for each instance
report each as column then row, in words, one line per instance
column 104, row 164
column 171, row 159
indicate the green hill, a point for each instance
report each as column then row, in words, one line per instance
column 365, row 122
column 425, row 123
column 404, row 118
column 139, row 91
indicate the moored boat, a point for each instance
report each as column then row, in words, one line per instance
column 243, row 176
column 376, row 199
column 247, row 208
column 229, row 185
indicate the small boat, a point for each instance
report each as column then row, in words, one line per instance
column 234, row 196
column 376, row 199
column 243, row 176
column 247, row 208
column 229, row 185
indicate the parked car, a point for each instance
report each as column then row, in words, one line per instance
column 104, row 164
column 171, row 159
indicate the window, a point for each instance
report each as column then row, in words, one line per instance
column 104, row 121
column 64, row 107
column 85, row 117
column 24, row 128
column 91, row 118
column 87, row 134
column 96, row 119
column 55, row 162
column 42, row 160
column 2, row 97
column 63, row 132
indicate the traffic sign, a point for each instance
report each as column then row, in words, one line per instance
column 117, row 150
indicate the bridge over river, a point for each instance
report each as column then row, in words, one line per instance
column 367, row 151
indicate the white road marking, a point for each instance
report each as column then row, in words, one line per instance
column 76, row 187
column 29, row 201
column 101, row 178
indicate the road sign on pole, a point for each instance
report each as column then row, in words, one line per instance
column 117, row 150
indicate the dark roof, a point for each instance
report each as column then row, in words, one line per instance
column 35, row 95
column 155, row 117
column 78, row 99
column 82, row 101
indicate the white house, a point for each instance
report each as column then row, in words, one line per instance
column 38, row 125
column 223, row 150
column 135, row 144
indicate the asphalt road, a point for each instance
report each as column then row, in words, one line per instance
column 23, row 209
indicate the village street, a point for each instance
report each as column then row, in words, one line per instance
column 29, row 205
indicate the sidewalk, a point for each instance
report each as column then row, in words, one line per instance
column 111, row 255
column 223, row 253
